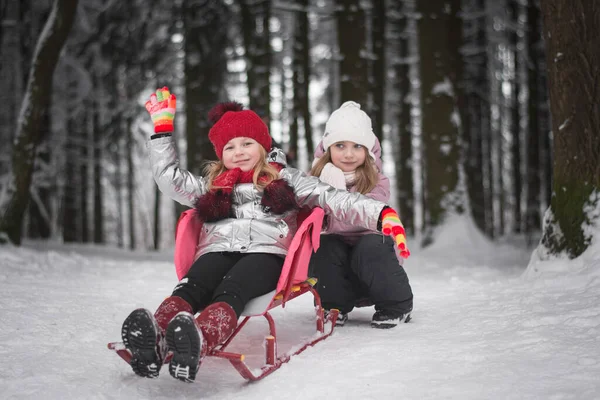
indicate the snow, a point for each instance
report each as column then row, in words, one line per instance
column 485, row 326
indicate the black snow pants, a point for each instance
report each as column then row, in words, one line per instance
column 369, row 269
column 234, row 278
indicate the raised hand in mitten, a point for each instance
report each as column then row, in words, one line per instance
column 392, row 226
column 333, row 176
column 161, row 107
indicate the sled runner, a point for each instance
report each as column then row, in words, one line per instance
column 293, row 282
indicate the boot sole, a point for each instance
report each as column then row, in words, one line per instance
column 185, row 343
column 140, row 335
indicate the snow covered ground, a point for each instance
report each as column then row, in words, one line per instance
column 484, row 327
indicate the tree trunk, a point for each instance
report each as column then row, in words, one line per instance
column 205, row 25
column 85, row 153
column 156, row 218
column 439, row 42
column 3, row 14
column 572, row 42
column 257, row 44
column 38, row 213
column 352, row 41
column 306, row 63
column 301, row 65
column 38, row 219
column 130, row 184
column 379, row 23
column 37, row 98
column 532, row 211
column 404, row 155
column 97, row 135
column 517, row 141
column 71, row 218
column 476, row 113
column 119, row 192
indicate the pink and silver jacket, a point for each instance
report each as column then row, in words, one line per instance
column 253, row 230
column 381, row 192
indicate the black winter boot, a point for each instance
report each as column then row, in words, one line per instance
column 388, row 319
column 142, row 337
column 185, row 341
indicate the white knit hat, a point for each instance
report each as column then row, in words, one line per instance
column 349, row 123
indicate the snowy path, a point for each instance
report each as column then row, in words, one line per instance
column 480, row 331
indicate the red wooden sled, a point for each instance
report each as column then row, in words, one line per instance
column 293, row 282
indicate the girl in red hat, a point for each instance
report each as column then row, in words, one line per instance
column 248, row 204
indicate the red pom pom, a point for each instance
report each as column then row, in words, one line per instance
column 220, row 109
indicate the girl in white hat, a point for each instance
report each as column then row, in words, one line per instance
column 354, row 266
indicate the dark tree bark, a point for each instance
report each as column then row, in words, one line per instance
column 3, row 14
column 257, row 42
column 97, row 139
column 36, row 100
column 118, row 179
column 439, row 42
column 130, row 185
column 379, row 23
column 533, row 174
column 476, row 114
column 157, row 224
column 514, row 10
column 38, row 212
column 403, row 160
column 301, row 76
column 352, row 40
column 572, row 43
column 205, row 25
column 75, row 186
column 30, row 26
column 83, row 185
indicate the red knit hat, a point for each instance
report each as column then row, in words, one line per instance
column 232, row 121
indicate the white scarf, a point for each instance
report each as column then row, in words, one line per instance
column 350, row 178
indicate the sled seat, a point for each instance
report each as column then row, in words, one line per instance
column 257, row 305
column 293, row 282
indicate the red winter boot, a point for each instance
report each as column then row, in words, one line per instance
column 190, row 340
column 169, row 308
column 143, row 334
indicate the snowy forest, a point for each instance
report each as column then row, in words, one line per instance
column 486, row 109
column 488, row 112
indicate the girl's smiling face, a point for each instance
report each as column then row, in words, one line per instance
column 241, row 152
column 347, row 155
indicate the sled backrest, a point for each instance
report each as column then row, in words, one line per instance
column 295, row 267
column 305, row 242
column 187, row 232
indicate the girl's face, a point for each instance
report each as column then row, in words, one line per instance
column 241, row 152
column 347, row 155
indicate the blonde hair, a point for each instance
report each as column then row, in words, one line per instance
column 366, row 174
column 264, row 173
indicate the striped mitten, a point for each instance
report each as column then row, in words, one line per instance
column 392, row 226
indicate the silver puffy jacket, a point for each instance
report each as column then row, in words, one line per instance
column 253, row 230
